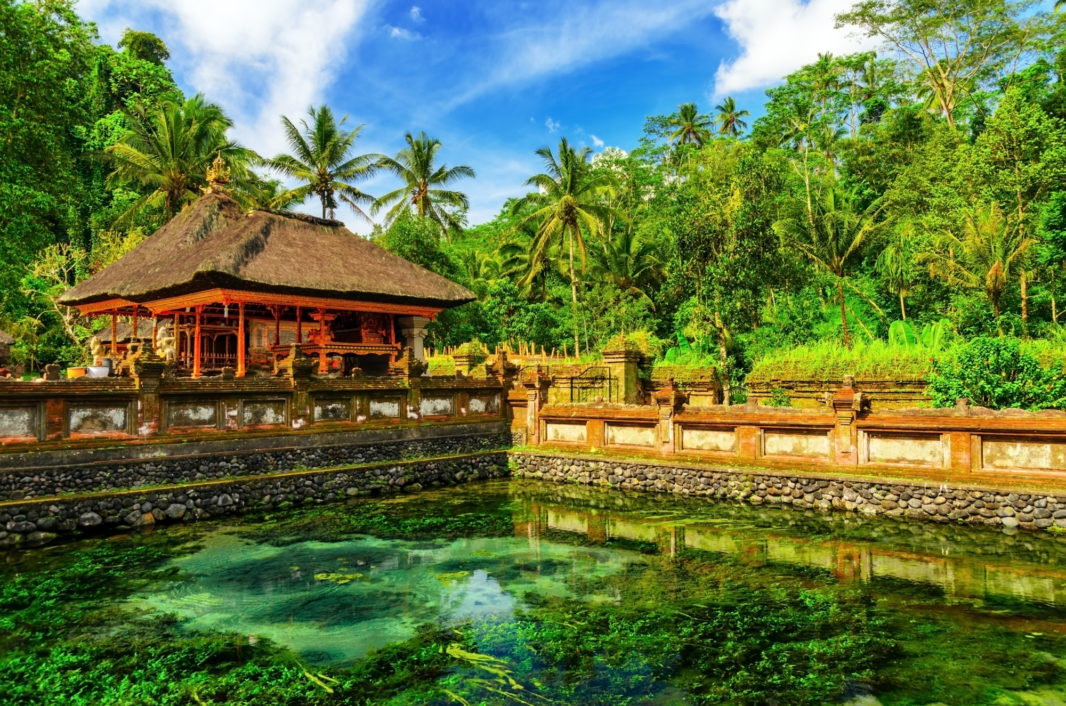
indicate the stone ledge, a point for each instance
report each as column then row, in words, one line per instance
column 15, row 458
column 24, row 484
column 36, row 522
column 868, row 496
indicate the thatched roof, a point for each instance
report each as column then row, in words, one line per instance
column 124, row 329
column 6, row 338
column 215, row 243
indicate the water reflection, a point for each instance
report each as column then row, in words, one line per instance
column 1027, row 568
column 334, row 601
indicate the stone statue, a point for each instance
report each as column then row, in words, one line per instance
column 96, row 350
column 164, row 346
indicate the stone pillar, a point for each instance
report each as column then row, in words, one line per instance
column 536, row 386
column 669, row 401
column 625, row 379
column 846, row 403
column 596, row 433
column 408, row 365
column 148, row 372
column 749, row 443
column 465, row 363
column 299, row 369
column 413, row 330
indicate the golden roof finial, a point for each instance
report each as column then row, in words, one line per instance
column 217, row 175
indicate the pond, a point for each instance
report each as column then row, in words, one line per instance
column 529, row 593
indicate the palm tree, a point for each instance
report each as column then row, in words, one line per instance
column 985, row 257
column 422, row 182
column 571, row 197
column 630, row 262
column 831, row 232
column 262, row 193
column 321, row 159
column 689, row 125
column 730, row 121
column 896, row 263
column 168, row 150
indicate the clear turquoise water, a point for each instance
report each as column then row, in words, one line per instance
column 521, row 592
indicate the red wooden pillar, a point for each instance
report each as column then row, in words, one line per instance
column 323, row 368
column 277, row 325
column 114, row 334
column 299, row 326
column 136, row 310
column 196, row 346
column 240, row 340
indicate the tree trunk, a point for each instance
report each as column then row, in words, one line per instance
column 723, row 357
column 902, row 306
column 843, row 312
column 1054, row 311
column 573, row 294
column 1025, row 305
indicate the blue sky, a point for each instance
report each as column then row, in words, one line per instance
column 493, row 80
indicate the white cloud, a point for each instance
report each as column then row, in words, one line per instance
column 596, row 142
column 776, row 37
column 552, row 125
column 401, row 33
column 258, row 60
column 416, row 14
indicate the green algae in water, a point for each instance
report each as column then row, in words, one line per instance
column 530, row 593
column 296, row 596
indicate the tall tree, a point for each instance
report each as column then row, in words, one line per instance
column 897, row 263
column 423, row 181
column 689, row 126
column 730, row 121
column 168, row 150
column 957, row 46
column 629, row 262
column 831, row 229
column 45, row 55
column 570, row 202
column 144, row 46
column 986, row 256
column 322, row 160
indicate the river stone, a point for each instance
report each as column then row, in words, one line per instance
column 37, row 538
column 175, row 511
column 1009, row 522
column 90, row 519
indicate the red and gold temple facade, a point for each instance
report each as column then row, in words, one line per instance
column 218, row 328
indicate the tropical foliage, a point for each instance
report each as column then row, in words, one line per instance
column 918, row 183
column 323, row 163
column 423, row 181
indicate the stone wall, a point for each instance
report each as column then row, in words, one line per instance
column 40, row 521
column 812, row 394
column 921, row 501
column 166, row 465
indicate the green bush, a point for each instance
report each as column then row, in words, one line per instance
column 643, row 341
column 997, row 373
column 779, row 398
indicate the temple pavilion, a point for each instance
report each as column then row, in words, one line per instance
column 223, row 287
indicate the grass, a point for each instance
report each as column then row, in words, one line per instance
column 831, row 361
column 874, row 360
